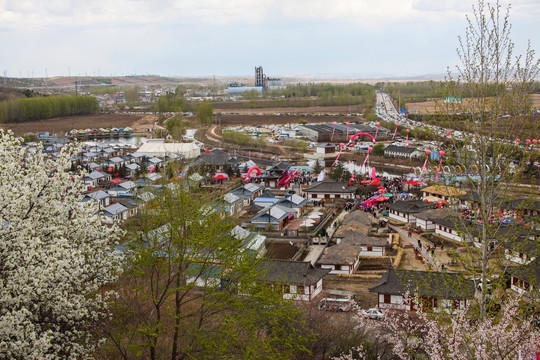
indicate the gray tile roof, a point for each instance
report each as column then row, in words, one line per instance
column 530, row 272
column 290, row 272
column 412, row 206
column 330, row 186
column 424, row 283
column 399, row 149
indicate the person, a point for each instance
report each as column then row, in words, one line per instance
column 433, row 252
column 419, row 244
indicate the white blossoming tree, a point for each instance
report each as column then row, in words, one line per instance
column 54, row 257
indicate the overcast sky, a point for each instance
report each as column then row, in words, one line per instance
column 231, row 37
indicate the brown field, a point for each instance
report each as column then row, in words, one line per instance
column 64, row 124
column 230, row 120
column 430, row 107
column 240, row 107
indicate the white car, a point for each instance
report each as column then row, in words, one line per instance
column 374, row 313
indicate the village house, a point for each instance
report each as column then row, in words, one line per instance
column 522, row 250
column 525, row 278
column 216, row 158
column 232, row 204
column 295, row 202
column 252, row 242
column 114, row 213
column 249, row 192
column 206, row 275
column 453, row 228
column 425, row 220
column 272, row 218
column 405, row 211
column 325, row 150
column 94, row 179
column 343, row 258
column 521, row 207
column 299, row 280
column 437, row 290
column 100, row 196
column 275, row 173
column 402, row 152
column 329, row 189
column 446, row 193
column 115, row 161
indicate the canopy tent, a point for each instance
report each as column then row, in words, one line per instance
column 221, row 176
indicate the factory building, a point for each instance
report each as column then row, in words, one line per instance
column 323, row 132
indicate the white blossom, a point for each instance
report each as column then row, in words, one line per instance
column 54, row 256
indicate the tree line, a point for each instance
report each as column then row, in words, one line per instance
column 31, row 109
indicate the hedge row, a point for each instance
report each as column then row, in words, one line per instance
column 42, row 108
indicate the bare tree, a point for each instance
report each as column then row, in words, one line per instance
column 492, row 87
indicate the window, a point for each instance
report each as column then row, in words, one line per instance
column 300, row 289
column 313, row 196
column 387, row 298
column 327, row 196
column 338, row 267
column 370, row 248
column 337, row 196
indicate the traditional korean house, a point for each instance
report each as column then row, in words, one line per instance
column 401, row 152
column 437, row 290
column 340, row 259
column 275, row 173
column 299, row 280
column 425, row 220
column 526, row 278
column 522, row 250
column 329, row 189
column 405, row 211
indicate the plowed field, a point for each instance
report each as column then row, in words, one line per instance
column 65, row 124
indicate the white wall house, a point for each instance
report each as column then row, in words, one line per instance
column 298, row 280
column 342, row 258
column 437, row 290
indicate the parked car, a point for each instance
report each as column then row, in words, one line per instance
column 374, row 313
column 331, row 304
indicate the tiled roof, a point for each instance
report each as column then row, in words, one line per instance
column 425, row 283
column 291, row 272
column 330, row 186
column 400, row 149
column 530, row 272
column 412, row 206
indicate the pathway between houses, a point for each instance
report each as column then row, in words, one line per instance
column 413, row 240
